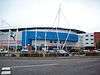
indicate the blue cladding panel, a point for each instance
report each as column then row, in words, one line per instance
column 49, row 36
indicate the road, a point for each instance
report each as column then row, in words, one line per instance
column 58, row 66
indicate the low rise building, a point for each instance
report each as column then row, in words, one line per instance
column 97, row 39
column 86, row 41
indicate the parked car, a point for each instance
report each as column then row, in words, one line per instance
column 62, row 53
column 97, row 51
column 5, row 51
column 51, row 51
column 24, row 51
column 1, row 50
column 86, row 51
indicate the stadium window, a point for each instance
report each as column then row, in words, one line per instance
column 86, row 39
column 55, row 41
column 91, row 39
column 87, row 43
column 91, row 35
column 42, row 45
column 50, row 41
column 86, row 35
column 91, row 43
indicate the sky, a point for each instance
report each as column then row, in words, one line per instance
column 76, row 14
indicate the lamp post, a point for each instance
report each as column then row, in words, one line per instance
column 16, row 39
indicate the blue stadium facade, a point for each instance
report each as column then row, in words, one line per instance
column 50, row 36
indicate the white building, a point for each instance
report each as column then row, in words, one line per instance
column 86, row 40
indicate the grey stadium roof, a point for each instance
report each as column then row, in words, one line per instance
column 30, row 28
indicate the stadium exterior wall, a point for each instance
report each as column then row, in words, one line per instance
column 50, row 36
column 27, row 36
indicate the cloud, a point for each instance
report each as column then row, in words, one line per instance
column 84, row 13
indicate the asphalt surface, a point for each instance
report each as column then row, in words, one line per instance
column 57, row 66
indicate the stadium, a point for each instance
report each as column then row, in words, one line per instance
column 38, row 38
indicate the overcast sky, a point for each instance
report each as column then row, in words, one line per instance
column 79, row 14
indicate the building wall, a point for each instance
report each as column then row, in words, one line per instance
column 5, row 38
column 80, row 41
column 96, row 38
column 86, row 40
column 50, row 36
column 28, row 37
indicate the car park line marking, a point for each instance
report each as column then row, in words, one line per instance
column 6, row 68
column 35, row 65
column 6, row 71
